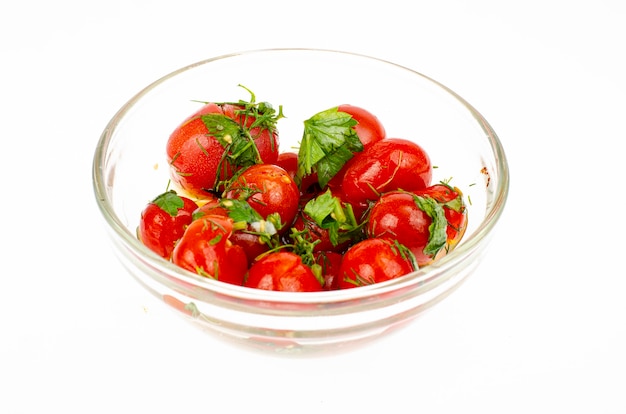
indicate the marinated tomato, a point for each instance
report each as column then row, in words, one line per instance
column 205, row 249
column 269, row 189
column 282, row 271
column 220, row 138
column 387, row 165
column 163, row 222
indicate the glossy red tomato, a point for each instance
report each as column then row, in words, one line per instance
column 268, row 189
column 387, row 165
column 204, row 149
column 288, row 161
column 163, row 222
column 205, row 249
column 282, row 271
column 412, row 221
column 369, row 129
column 330, row 263
column 372, row 261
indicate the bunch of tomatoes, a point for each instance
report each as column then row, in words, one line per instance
column 351, row 207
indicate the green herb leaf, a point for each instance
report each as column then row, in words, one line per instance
column 248, row 220
column 236, row 136
column 240, row 210
column 438, row 236
column 456, row 204
column 328, row 142
column 329, row 213
column 170, row 202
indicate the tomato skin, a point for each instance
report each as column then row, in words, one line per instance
column 160, row 231
column 396, row 215
column 390, row 164
column 372, row 261
column 250, row 243
column 196, row 157
column 205, row 249
column 282, row 271
column 193, row 155
column 268, row 189
column 288, row 161
column 331, row 264
column 369, row 128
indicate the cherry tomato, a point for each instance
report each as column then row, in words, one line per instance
column 369, row 128
column 288, row 161
column 330, row 263
column 282, row 271
column 268, row 189
column 200, row 157
column 387, row 165
column 372, row 261
column 402, row 216
column 205, row 249
column 163, row 222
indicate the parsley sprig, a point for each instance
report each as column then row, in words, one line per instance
column 329, row 213
column 248, row 220
column 437, row 229
column 236, row 136
column 328, row 142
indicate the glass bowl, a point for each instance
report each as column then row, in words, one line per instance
column 130, row 169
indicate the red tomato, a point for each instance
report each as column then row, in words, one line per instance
column 205, row 249
column 268, row 189
column 387, row 165
column 397, row 215
column 369, row 128
column 330, row 262
column 372, row 261
column 250, row 243
column 198, row 160
column 288, row 161
column 163, row 222
column 282, row 271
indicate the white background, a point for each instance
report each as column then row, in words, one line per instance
column 540, row 328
